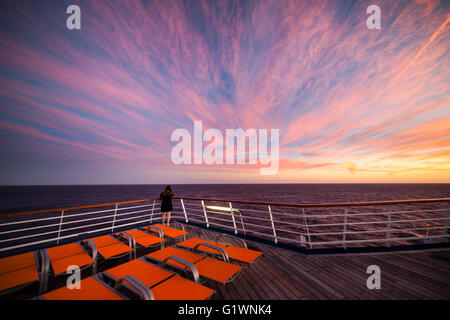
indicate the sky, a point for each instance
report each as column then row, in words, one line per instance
column 98, row 105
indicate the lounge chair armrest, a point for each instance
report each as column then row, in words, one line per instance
column 159, row 230
column 186, row 263
column 223, row 235
column 141, row 289
column 220, row 250
column 181, row 224
column 44, row 269
column 91, row 244
column 130, row 238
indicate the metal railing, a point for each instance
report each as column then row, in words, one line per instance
column 326, row 225
column 49, row 227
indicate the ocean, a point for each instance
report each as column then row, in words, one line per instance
column 30, row 198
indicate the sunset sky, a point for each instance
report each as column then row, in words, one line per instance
column 98, row 105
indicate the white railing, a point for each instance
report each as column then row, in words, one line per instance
column 49, row 227
column 383, row 223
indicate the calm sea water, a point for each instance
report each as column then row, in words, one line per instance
column 28, row 198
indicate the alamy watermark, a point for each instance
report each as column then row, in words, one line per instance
column 374, row 20
column 374, row 280
column 74, row 20
column 74, row 280
column 230, row 149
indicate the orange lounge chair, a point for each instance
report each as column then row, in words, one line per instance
column 108, row 247
column 209, row 268
column 231, row 252
column 140, row 237
column 167, row 231
column 162, row 284
column 19, row 271
column 66, row 255
column 91, row 288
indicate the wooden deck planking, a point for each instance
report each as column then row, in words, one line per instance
column 284, row 274
column 267, row 291
column 417, row 275
column 280, row 280
column 292, row 270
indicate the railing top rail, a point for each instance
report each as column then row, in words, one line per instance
column 324, row 205
column 15, row 214
column 278, row 204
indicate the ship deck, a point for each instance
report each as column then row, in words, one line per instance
column 283, row 274
column 288, row 275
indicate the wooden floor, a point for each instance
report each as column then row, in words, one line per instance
column 284, row 274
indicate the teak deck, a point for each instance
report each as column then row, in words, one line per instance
column 284, row 274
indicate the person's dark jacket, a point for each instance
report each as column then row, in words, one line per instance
column 166, row 201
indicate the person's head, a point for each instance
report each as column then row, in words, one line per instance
column 168, row 189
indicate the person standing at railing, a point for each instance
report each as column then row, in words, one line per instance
column 166, row 204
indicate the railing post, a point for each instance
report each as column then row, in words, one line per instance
column 60, row 225
column 232, row 216
column 114, row 219
column 344, row 235
column 445, row 231
column 307, row 230
column 184, row 210
column 388, row 228
column 273, row 225
column 242, row 222
column 151, row 214
column 204, row 212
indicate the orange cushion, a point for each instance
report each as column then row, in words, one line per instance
column 108, row 246
column 149, row 241
column 178, row 288
column 136, row 233
column 217, row 270
column 18, row 261
column 65, row 250
column 237, row 253
column 174, row 233
column 171, row 232
column 103, row 241
column 17, row 270
column 19, row 277
column 211, row 268
column 69, row 254
column 114, row 250
column 192, row 242
column 90, row 289
column 242, row 254
column 143, row 238
column 143, row 271
column 79, row 260
column 160, row 255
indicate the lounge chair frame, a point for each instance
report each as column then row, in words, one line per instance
column 95, row 254
column 220, row 250
column 98, row 278
column 94, row 264
column 188, row 264
column 137, row 287
column 42, row 263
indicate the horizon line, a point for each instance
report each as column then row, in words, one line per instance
column 174, row 184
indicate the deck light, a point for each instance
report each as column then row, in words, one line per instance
column 219, row 208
